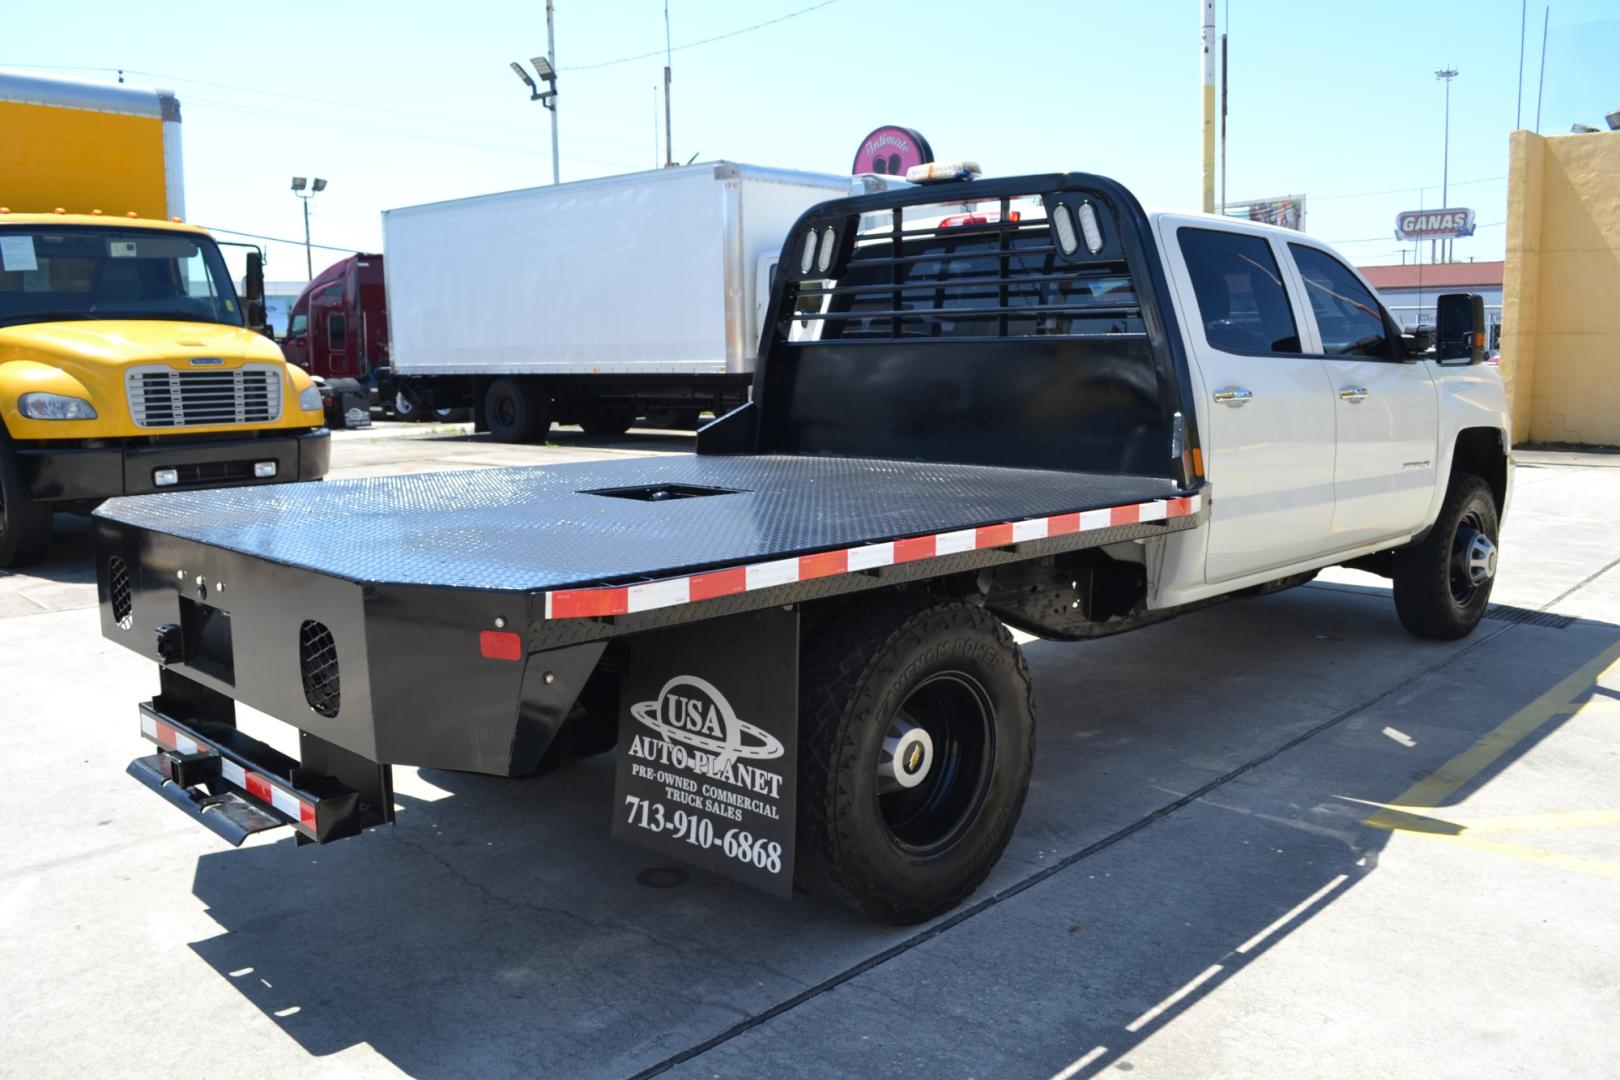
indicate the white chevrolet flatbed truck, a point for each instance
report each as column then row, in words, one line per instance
column 1021, row 402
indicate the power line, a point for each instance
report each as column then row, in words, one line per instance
column 278, row 96
column 1401, row 191
column 277, row 239
column 415, row 136
column 704, row 41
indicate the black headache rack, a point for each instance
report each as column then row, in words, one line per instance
column 966, row 395
column 1021, row 322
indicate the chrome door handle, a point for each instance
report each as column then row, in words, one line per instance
column 1233, row 395
column 1352, row 393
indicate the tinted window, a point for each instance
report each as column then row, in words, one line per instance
column 334, row 330
column 1348, row 316
column 1241, row 298
column 112, row 273
column 300, row 323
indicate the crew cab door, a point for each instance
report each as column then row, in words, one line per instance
column 1267, row 409
column 1387, row 408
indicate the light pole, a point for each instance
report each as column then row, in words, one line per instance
column 547, row 70
column 1445, row 75
column 298, row 188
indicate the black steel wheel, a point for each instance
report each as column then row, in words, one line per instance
column 516, row 410
column 1443, row 582
column 25, row 524
column 934, row 769
column 917, row 735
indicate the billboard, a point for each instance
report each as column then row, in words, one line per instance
column 1434, row 224
column 891, row 150
column 1287, row 211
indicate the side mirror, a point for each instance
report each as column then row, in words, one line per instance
column 1460, row 329
column 253, row 280
column 1416, row 342
column 256, row 319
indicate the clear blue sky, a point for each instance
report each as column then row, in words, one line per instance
column 406, row 102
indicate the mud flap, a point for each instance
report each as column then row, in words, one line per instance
column 708, row 746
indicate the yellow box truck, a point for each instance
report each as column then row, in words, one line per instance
column 128, row 362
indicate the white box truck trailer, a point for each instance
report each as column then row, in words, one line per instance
column 595, row 302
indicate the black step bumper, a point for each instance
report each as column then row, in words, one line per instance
column 236, row 785
column 92, row 473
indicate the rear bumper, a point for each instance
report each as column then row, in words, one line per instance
column 236, row 786
column 76, row 473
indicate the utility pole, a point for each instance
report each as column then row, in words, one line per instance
column 1208, row 7
column 1518, row 101
column 1445, row 75
column 669, row 145
column 1541, row 80
column 551, row 57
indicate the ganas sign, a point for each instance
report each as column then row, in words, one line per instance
column 1434, row 224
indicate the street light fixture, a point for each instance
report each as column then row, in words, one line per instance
column 299, row 187
column 547, row 71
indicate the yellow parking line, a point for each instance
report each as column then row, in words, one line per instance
column 1561, row 700
column 1562, row 819
column 1445, row 781
column 1578, row 863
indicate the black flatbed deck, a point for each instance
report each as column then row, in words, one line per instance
column 536, row 528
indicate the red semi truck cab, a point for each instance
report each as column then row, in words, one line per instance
column 338, row 326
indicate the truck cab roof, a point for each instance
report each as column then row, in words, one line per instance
column 11, row 217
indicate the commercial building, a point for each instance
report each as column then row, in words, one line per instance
column 1561, row 316
column 1409, row 290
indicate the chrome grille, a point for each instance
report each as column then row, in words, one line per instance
column 164, row 397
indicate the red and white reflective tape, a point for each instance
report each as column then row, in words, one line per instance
column 265, row 788
column 630, row 599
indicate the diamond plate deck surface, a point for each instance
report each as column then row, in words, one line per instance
column 533, row 528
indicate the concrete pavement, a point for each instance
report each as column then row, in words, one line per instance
column 1275, row 838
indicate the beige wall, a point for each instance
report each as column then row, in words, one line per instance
column 1561, row 288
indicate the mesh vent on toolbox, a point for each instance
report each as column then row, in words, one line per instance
column 318, row 664
column 123, row 607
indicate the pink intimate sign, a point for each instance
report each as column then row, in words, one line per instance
column 892, row 150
